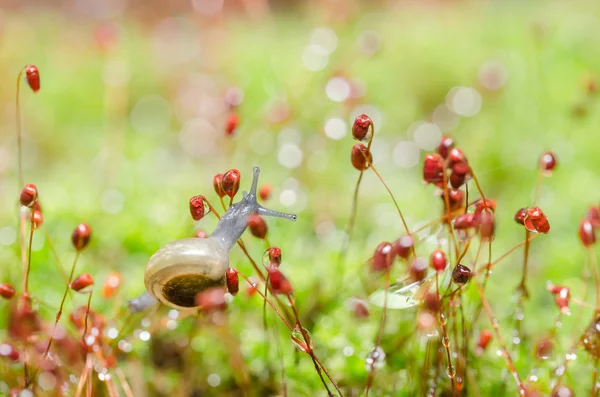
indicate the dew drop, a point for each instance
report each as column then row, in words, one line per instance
column 451, row 371
column 443, row 320
column 375, row 359
column 298, row 339
column 446, row 341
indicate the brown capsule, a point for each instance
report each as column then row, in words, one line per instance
column 32, row 75
column 197, row 207
column 231, row 124
column 520, row 216
column 383, row 257
column 29, row 195
column 257, row 225
column 265, row 192
column 361, row 157
column 7, row 291
column 461, row 275
column 536, row 221
column 233, row 283
column 587, row 233
column 438, row 261
column 362, row 128
column 280, row 285
column 548, row 162
column 81, row 236
column 404, row 246
column 217, row 181
column 231, row 182
column 433, row 169
column 211, row 300
column 445, row 146
column 81, row 283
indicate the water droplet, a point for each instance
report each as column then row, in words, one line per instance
column 375, row 359
column 451, row 371
column 299, row 341
column 499, row 353
column 516, row 340
column 443, row 320
column 446, row 341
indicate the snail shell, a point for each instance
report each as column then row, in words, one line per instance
column 177, row 272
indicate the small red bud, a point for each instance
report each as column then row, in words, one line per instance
column 29, row 195
column 459, row 175
column 362, row 129
column 438, row 260
column 487, row 225
column 456, row 156
column 231, row 182
column 403, row 246
column 231, row 124
column 81, row 236
column 81, row 283
column 112, row 284
column 32, row 75
column 280, row 285
column 361, row 157
column 257, row 225
column 536, row 221
column 217, row 181
column 456, row 199
column 587, row 233
column 446, row 145
column 233, row 283
column 211, row 300
column 265, row 192
column 383, row 257
column 548, row 162
column 197, row 208
column 7, row 291
column 485, row 337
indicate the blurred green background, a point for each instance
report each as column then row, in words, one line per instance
column 129, row 123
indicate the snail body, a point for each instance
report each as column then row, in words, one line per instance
column 177, row 272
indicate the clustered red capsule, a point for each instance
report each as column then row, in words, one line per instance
column 361, row 157
column 232, row 279
column 536, row 221
column 81, row 283
column 520, row 216
column 29, row 195
column 445, row 146
column 274, row 256
column 384, row 256
column 433, row 169
column 32, row 75
column 456, row 199
column 562, row 295
column 81, row 236
column 362, row 128
column 257, row 225
column 588, row 226
column 197, row 207
column 231, row 182
column 487, row 225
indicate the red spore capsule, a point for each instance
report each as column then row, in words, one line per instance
column 361, row 157
column 32, row 75
column 257, row 225
column 362, row 129
column 233, row 284
column 438, row 260
column 81, row 236
column 231, row 182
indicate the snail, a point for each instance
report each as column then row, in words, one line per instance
column 177, row 272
